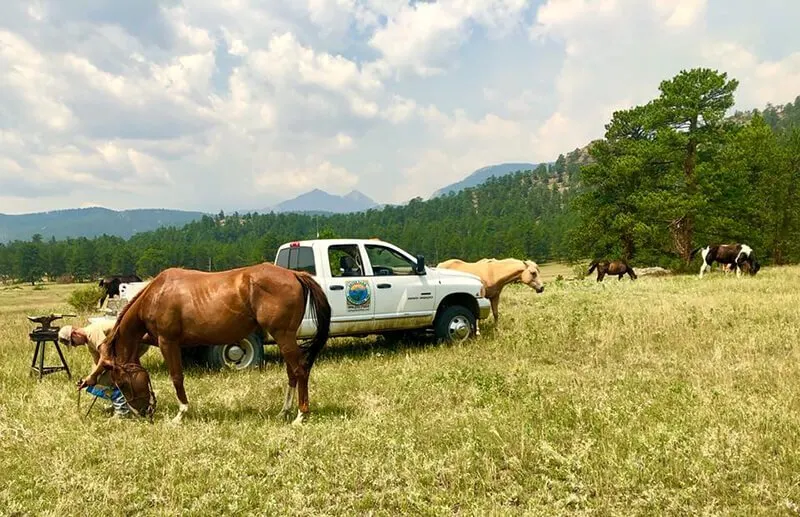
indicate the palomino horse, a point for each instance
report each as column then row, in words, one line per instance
column 496, row 274
column 614, row 268
column 736, row 255
column 183, row 307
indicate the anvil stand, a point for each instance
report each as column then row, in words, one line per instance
column 41, row 336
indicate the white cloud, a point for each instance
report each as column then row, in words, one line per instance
column 420, row 35
column 243, row 104
column 306, row 175
column 617, row 52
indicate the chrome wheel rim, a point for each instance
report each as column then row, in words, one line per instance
column 238, row 356
column 458, row 329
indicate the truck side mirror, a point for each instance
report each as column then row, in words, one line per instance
column 420, row 265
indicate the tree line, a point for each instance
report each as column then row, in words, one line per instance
column 668, row 176
column 675, row 174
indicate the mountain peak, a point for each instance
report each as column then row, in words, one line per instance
column 483, row 174
column 319, row 201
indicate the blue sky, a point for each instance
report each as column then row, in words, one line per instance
column 233, row 104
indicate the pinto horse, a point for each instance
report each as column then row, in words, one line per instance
column 614, row 268
column 110, row 285
column 181, row 308
column 735, row 255
column 496, row 274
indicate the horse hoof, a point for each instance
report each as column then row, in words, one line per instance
column 301, row 418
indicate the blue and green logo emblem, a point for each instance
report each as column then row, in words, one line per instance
column 357, row 295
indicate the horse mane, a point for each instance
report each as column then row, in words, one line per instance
column 112, row 338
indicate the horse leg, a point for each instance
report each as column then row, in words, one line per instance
column 296, row 371
column 600, row 275
column 288, row 394
column 495, row 301
column 172, row 356
column 703, row 268
column 620, row 276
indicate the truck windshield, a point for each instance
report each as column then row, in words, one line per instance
column 297, row 259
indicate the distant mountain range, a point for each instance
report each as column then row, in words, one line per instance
column 90, row 222
column 95, row 221
column 483, row 174
column 321, row 202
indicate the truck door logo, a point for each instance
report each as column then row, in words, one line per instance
column 357, row 295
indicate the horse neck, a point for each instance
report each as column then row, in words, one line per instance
column 130, row 332
column 510, row 271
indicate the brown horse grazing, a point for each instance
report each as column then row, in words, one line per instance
column 496, row 274
column 614, row 268
column 183, row 307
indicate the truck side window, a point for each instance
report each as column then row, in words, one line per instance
column 386, row 261
column 345, row 260
column 297, row 259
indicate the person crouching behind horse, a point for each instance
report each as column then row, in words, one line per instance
column 93, row 336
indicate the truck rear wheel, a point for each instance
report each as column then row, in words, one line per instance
column 247, row 353
column 455, row 324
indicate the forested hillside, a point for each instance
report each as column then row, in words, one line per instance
column 522, row 214
column 670, row 175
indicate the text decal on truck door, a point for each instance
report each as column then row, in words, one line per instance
column 358, row 295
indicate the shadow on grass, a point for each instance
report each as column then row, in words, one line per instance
column 209, row 412
column 337, row 349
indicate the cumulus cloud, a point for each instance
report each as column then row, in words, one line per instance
column 209, row 105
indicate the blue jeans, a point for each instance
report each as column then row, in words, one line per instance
column 114, row 395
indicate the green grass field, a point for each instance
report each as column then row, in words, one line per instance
column 668, row 396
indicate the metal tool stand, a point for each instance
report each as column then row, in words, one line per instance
column 41, row 336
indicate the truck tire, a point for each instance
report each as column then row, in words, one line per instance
column 247, row 353
column 455, row 324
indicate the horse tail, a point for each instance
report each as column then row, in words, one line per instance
column 694, row 252
column 321, row 315
column 592, row 266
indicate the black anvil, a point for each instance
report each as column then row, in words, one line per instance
column 45, row 321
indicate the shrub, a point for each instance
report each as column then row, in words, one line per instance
column 85, row 299
column 579, row 270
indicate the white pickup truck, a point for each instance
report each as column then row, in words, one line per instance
column 373, row 287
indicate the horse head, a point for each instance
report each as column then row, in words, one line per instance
column 134, row 383
column 127, row 375
column 531, row 276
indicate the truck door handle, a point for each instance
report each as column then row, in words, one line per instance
column 336, row 287
column 384, row 286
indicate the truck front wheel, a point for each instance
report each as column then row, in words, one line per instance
column 247, row 353
column 455, row 324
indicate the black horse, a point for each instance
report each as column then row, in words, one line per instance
column 615, row 268
column 111, row 285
